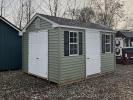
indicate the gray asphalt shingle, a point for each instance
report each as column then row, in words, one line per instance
column 75, row 23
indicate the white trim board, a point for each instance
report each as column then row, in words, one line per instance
column 93, row 52
column 91, row 29
column 38, row 53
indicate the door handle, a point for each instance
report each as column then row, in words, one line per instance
column 88, row 58
column 37, row 58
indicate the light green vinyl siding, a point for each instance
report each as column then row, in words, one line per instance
column 72, row 67
column 53, row 55
column 108, row 60
column 25, row 52
column 53, row 46
column 107, row 63
column 44, row 25
column 63, row 69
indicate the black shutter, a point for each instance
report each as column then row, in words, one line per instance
column 80, row 43
column 66, row 43
column 112, row 43
column 103, row 43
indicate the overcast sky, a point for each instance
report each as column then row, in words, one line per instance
column 129, row 7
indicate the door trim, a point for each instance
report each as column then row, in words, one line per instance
column 97, row 32
column 46, row 55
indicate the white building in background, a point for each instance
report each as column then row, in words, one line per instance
column 124, row 40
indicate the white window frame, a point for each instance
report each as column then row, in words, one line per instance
column 108, row 43
column 74, row 43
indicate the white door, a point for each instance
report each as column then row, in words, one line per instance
column 93, row 62
column 38, row 53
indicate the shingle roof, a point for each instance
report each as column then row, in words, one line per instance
column 127, row 34
column 75, row 23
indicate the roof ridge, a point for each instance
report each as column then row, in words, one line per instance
column 72, row 19
column 53, row 16
column 74, row 22
column 60, row 17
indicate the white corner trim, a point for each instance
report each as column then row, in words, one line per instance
column 20, row 33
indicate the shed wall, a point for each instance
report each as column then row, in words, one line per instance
column 53, row 48
column 107, row 63
column 108, row 60
column 72, row 68
column 42, row 25
column 53, row 55
column 62, row 69
column 10, row 48
column 25, row 51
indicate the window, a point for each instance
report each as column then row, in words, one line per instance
column 73, row 44
column 108, row 43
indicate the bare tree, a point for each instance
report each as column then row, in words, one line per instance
column 24, row 13
column 20, row 16
column 2, row 7
column 108, row 11
column 128, row 23
column 53, row 7
column 86, row 15
column 29, row 10
column 56, row 3
column 71, row 9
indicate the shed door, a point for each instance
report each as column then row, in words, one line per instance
column 93, row 62
column 38, row 53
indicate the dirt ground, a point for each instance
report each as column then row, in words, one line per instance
column 15, row 85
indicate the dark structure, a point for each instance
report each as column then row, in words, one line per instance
column 124, row 47
column 127, row 37
column 10, row 46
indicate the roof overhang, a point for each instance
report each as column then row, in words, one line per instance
column 10, row 24
column 91, row 29
column 58, row 25
column 34, row 17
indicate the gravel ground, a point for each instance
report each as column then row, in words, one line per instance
column 15, row 85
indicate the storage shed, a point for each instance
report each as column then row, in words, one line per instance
column 10, row 46
column 64, row 50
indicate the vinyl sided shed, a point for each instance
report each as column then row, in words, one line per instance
column 64, row 50
column 10, row 46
